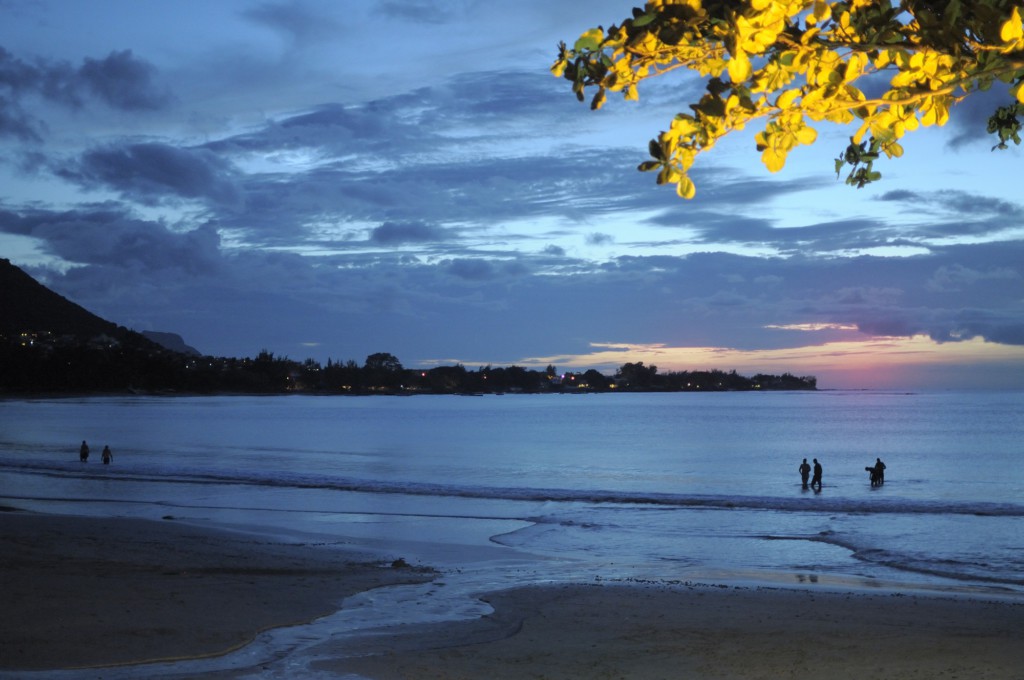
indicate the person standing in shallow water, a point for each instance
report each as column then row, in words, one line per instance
column 83, row 452
column 805, row 472
column 816, row 480
column 107, row 455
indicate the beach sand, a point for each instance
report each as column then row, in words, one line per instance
column 82, row 591
column 710, row 632
column 79, row 592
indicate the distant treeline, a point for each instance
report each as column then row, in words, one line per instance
column 39, row 363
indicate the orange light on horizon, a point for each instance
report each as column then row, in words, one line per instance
column 872, row 362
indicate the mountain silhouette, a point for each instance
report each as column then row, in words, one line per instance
column 28, row 306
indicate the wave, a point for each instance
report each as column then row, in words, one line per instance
column 817, row 503
column 956, row 569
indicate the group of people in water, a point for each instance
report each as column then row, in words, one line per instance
column 877, row 472
column 83, row 454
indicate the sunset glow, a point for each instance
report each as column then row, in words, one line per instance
column 884, row 363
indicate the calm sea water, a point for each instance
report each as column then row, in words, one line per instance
column 501, row 490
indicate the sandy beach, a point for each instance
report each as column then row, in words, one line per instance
column 81, row 592
column 710, row 632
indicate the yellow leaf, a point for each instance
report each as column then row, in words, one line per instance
column 684, row 125
column 1013, row 29
column 856, row 139
column 854, row 67
column 806, row 135
column 786, row 98
column 739, row 68
column 1018, row 91
column 821, row 11
column 685, row 187
column 773, row 159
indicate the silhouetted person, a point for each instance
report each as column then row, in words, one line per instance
column 83, row 452
column 107, row 455
column 816, row 480
column 805, row 472
column 879, row 472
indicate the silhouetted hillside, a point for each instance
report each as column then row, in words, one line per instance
column 171, row 341
column 27, row 305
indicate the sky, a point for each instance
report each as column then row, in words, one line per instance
column 328, row 179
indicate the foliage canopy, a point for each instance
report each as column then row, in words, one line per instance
column 795, row 62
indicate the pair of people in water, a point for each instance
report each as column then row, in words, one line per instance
column 877, row 472
column 83, row 454
column 805, row 472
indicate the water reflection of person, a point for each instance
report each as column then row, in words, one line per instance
column 805, row 472
column 107, row 455
column 816, row 480
column 83, row 452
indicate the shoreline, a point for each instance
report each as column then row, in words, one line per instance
column 83, row 592
column 710, row 632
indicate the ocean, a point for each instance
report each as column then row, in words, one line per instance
column 503, row 490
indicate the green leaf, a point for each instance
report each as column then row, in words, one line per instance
column 591, row 40
column 644, row 19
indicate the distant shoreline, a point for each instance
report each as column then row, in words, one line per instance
column 385, row 393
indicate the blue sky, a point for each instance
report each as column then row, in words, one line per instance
column 333, row 179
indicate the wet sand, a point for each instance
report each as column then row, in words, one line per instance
column 709, row 632
column 80, row 592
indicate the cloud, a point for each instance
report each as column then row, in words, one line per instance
column 107, row 236
column 969, row 118
column 956, row 277
column 955, row 203
column 150, row 171
column 296, row 20
column 357, row 159
column 120, row 80
column 417, row 11
column 391, row 233
column 14, row 122
column 991, row 326
column 124, row 82
column 472, row 270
